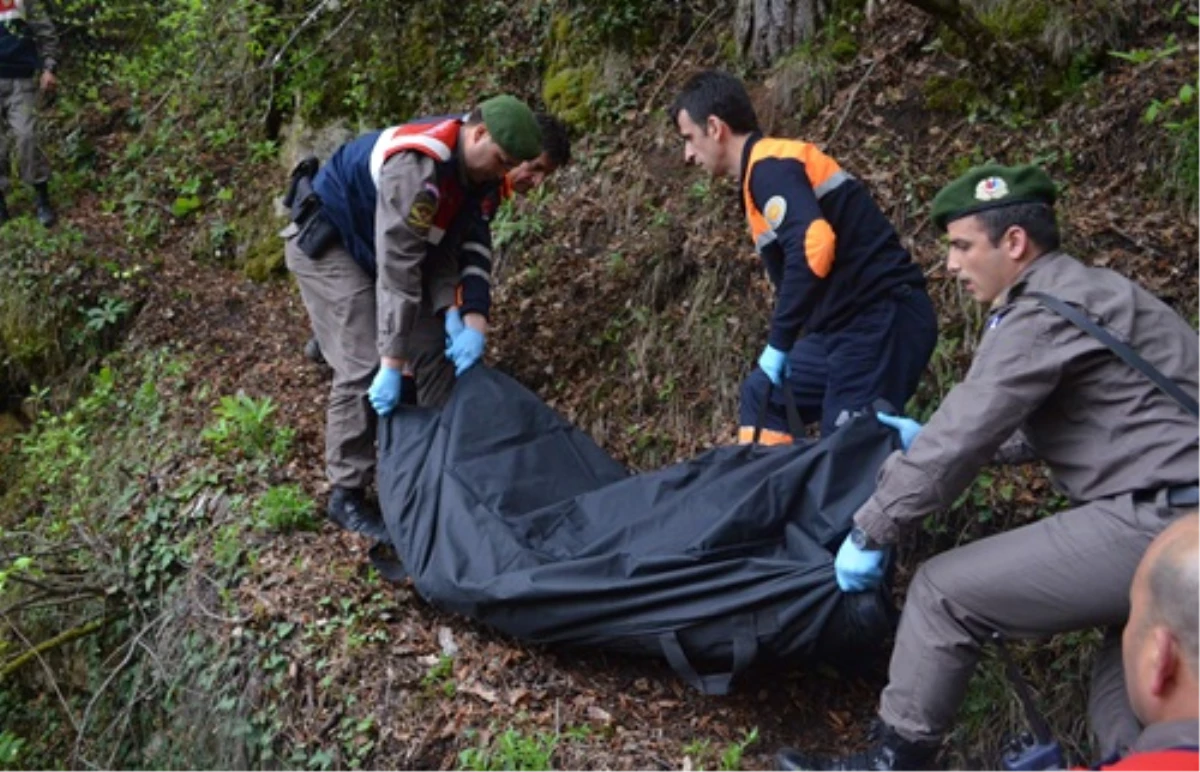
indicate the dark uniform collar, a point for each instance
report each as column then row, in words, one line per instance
column 754, row 137
column 458, row 162
column 1168, row 734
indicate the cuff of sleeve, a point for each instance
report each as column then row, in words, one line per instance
column 475, row 296
column 878, row 527
column 474, row 308
column 397, row 348
column 49, row 65
column 781, row 340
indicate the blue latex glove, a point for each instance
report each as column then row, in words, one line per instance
column 385, row 390
column 857, row 569
column 465, row 350
column 454, row 325
column 774, row 363
column 908, row 428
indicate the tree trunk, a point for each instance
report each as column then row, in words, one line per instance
column 768, row 29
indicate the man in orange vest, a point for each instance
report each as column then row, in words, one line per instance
column 1159, row 651
column 365, row 250
column 841, row 275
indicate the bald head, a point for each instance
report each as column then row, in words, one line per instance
column 1160, row 642
column 1173, row 578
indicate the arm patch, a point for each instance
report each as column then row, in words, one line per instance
column 421, row 214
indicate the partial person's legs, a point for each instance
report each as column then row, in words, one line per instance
column 34, row 165
column 807, row 380
column 432, row 371
column 340, row 299
column 1114, row 725
column 880, row 355
column 1067, row 572
column 7, row 86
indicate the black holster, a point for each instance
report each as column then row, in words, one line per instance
column 314, row 232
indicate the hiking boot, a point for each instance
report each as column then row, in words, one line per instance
column 349, row 508
column 887, row 751
column 312, row 352
column 45, row 212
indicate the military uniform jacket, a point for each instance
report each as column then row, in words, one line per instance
column 28, row 41
column 1045, row 385
column 393, row 195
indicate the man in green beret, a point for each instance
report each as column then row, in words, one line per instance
column 364, row 247
column 1043, row 386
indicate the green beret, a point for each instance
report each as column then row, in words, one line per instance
column 991, row 186
column 512, row 125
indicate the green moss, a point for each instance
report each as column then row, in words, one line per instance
column 843, row 48
column 1016, row 19
column 560, row 29
column 728, row 49
column 961, row 165
column 259, row 248
column 10, row 425
column 949, row 94
column 567, row 94
column 264, row 257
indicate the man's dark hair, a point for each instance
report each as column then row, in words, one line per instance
column 713, row 92
column 474, row 117
column 556, row 141
column 1037, row 220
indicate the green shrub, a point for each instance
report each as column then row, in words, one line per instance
column 286, row 508
column 246, row 425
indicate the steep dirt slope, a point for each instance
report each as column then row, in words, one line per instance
column 635, row 312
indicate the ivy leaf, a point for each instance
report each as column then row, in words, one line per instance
column 185, row 205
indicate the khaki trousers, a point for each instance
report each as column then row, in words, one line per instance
column 1066, row 572
column 18, row 108
column 340, row 299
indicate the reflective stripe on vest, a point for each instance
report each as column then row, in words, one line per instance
column 823, row 173
column 436, row 141
column 12, row 10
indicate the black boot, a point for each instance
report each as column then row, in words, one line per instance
column 887, row 750
column 349, row 508
column 45, row 212
column 3, row 210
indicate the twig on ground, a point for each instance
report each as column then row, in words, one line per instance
column 49, row 673
column 132, row 646
column 679, row 57
column 850, row 101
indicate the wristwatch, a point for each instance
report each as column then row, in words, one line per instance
column 859, row 538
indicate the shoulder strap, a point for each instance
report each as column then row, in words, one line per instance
column 1127, row 354
column 795, row 424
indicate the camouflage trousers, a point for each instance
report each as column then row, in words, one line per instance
column 18, row 108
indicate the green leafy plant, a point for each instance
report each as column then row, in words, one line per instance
column 10, row 750
column 246, row 424
column 286, row 508
column 731, row 757
column 109, row 313
column 441, row 676
column 511, row 750
column 702, row 753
